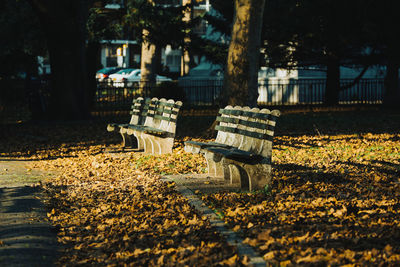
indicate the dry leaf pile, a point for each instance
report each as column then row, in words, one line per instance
column 112, row 208
column 334, row 199
column 114, row 211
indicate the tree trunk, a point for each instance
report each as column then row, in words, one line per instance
column 392, row 86
column 93, row 64
column 64, row 23
column 150, row 64
column 241, row 74
column 332, row 82
column 185, row 59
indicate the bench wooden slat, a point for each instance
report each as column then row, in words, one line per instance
column 228, row 120
column 230, row 112
column 225, row 129
column 252, row 124
column 158, row 132
column 160, row 117
column 153, row 123
column 242, row 132
column 256, row 115
column 206, row 144
column 230, row 153
column 242, row 149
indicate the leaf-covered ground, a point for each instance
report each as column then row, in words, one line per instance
column 334, row 199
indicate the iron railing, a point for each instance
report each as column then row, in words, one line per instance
column 18, row 97
column 272, row 92
column 312, row 91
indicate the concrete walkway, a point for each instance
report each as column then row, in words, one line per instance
column 26, row 238
column 188, row 185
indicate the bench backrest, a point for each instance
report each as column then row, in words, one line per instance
column 156, row 113
column 151, row 112
column 247, row 129
column 168, row 115
column 228, row 120
column 136, row 112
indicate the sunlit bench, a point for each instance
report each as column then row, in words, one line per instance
column 241, row 152
column 138, row 116
column 153, row 125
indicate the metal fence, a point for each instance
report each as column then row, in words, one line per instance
column 312, row 91
column 20, row 98
column 109, row 97
column 272, row 92
column 201, row 92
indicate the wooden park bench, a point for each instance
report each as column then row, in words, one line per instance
column 138, row 115
column 153, row 124
column 241, row 152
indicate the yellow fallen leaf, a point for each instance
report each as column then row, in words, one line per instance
column 264, row 235
column 138, row 252
column 302, row 238
column 284, row 263
column 160, row 260
column 270, row 255
column 232, row 261
column 101, row 227
column 236, row 228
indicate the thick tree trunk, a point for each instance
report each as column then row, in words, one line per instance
column 332, row 82
column 150, row 64
column 93, row 64
column 64, row 23
column 241, row 74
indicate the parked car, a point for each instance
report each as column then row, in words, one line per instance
column 131, row 77
column 119, row 77
column 204, row 71
column 103, row 74
column 213, row 72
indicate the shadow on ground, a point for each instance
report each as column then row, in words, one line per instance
column 26, row 239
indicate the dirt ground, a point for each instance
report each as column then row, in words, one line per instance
column 26, row 238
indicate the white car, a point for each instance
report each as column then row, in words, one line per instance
column 119, row 77
column 131, row 77
column 103, row 74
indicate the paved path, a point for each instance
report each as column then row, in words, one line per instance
column 26, row 238
column 187, row 185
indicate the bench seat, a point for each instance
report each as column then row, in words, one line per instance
column 235, row 154
column 153, row 125
column 195, row 147
column 241, row 152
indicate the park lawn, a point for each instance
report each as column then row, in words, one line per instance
column 334, row 199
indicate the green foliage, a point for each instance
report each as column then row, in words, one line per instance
column 164, row 23
column 267, row 189
column 20, row 41
column 313, row 32
column 215, row 52
column 103, row 25
column 220, row 20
